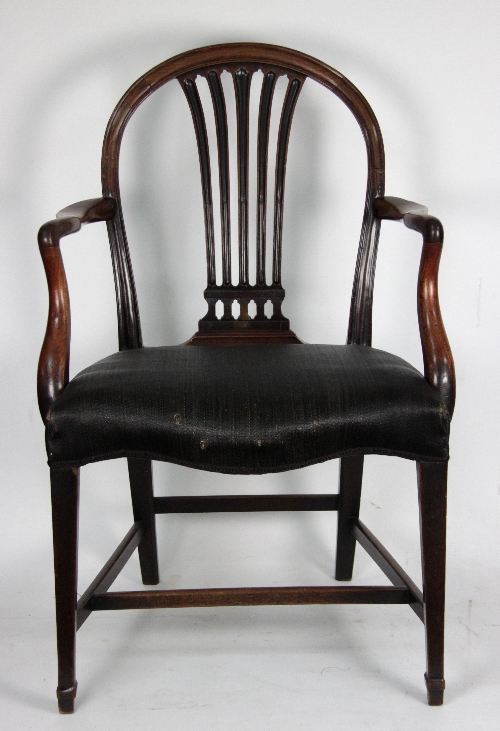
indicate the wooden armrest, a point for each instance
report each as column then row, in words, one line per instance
column 413, row 216
column 90, row 211
column 439, row 369
column 394, row 209
column 70, row 219
column 53, row 365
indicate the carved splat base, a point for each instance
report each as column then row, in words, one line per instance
column 244, row 329
column 245, row 337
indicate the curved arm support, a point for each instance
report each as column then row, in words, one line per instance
column 53, row 365
column 439, row 369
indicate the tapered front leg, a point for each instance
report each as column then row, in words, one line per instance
column 432, row 478
column 65, row 493
column 141, row 487
column 350, row 481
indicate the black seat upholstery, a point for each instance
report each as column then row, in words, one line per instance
column 247, row 410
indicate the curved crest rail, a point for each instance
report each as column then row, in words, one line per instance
column 242, row 60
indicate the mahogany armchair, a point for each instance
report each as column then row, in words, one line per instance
column 216, row 404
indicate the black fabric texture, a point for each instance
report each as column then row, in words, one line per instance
column 247, row 410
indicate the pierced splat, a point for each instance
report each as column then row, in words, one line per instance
column 273, row 62
column 244, row 327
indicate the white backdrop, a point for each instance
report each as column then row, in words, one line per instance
column 430, row 72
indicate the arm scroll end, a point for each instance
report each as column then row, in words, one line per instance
column 430, row 227
column 52, row 232
column 413, row 215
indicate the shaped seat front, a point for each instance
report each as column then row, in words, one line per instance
column 247, row 410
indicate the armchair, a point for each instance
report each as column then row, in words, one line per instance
column 214, row 403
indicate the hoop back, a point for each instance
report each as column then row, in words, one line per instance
column 242, row 60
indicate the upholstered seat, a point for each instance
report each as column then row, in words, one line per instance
column 247, row 410
column 245, row 395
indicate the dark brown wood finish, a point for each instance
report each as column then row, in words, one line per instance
column 223, row 150
column 96, row 597
column 193, row 98
column 53, row 365
column 251, row 596
column 243, row 503
column 266, row 98
column 292, row 94
column 439, row 368
column 242, row 80
column 388, row 564
column 242, row 60
column 109, row 572
column 350, row 481
column 432, row 478
column 65, row 495
column 249, row 57
column 244, row 295
column 244, row 337
column 243, row 292
column 141, row 487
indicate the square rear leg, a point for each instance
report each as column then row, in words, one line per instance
column 350, row 481
column 141, row 488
